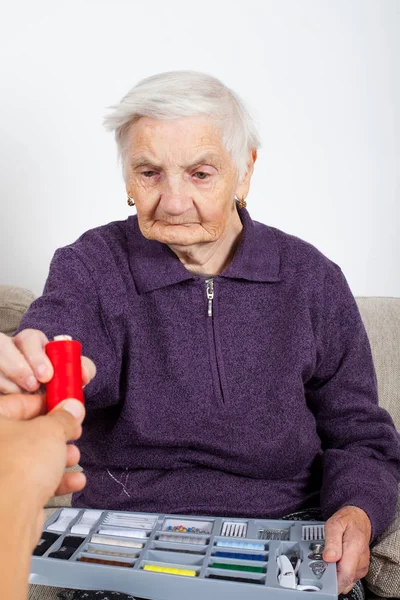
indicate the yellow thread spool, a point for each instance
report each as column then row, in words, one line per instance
column 172, row 571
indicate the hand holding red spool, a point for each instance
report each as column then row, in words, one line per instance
column 65, row 355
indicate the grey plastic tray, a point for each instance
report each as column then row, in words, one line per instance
column 206, row 573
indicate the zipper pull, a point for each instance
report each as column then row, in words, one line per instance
column 210, row 295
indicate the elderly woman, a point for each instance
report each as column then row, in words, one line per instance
column 233, row 372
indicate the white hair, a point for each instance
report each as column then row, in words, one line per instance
column 177, row 94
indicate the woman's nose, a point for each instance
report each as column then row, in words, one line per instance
column 175, row 197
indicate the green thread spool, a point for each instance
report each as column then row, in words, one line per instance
column 237, row 567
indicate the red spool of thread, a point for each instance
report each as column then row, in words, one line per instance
column 65, row 356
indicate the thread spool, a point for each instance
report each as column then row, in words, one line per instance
column 65, row 356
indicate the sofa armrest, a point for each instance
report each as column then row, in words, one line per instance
column 13, row 303
column 383, row 577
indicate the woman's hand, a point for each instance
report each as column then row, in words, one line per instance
column 24, row 364
column 347, row 539
column 33, row 456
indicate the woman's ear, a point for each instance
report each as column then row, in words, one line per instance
column 242, row 189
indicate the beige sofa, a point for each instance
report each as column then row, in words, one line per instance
column 381, row 317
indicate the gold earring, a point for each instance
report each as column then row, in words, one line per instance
column 242, row 203
column 130, row 201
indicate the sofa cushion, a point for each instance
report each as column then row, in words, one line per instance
column 381, row 317
column 13, row 303
column 43, row 592
column 383, row 577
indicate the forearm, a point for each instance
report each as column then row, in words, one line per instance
column 17, row 522
column 351, row 479
column 361, row 447
column 70, row 304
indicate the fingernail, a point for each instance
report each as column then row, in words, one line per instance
column 74, row 407
column 41, row 369
column 330, row 553
column 31, row 382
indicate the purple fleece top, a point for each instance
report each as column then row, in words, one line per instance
column 268, row 406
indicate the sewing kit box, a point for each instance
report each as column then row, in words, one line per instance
column 167, row 557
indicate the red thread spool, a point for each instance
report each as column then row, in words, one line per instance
column 65, row 356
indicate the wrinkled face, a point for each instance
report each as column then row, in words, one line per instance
column 182, row 180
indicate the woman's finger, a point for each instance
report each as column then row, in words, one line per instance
column 14, row 367
column 333, row 539
column 363, row 565
column 9, row 387
column 348, row 565
column 88, row 370
column 31, row 343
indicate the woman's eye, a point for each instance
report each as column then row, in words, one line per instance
column 201, row 175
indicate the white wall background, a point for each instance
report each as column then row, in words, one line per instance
column 322, row 77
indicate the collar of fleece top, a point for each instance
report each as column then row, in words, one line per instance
column 156, row 266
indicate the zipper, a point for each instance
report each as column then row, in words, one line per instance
column 215, row 362
column 210, row 296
